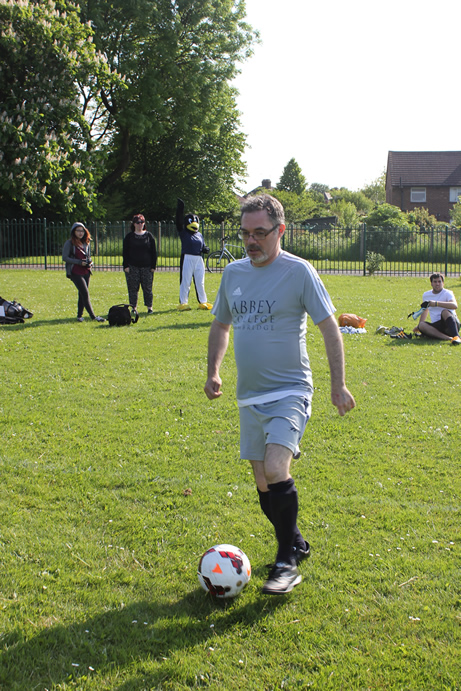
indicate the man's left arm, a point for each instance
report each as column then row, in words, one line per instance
column 341, row 397
column 445, row 304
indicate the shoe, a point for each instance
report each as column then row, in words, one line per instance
column 282, row 579
column 150, row 310
column 456, row 340
column 300, row 554
column 80, row 319
column 205, row 306
column 183, row 307
column 99, row 319
column 380, row 330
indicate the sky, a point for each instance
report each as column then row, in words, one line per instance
column 338, row 84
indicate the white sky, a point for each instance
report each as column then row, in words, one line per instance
column 338, row 84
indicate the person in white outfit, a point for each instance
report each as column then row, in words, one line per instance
column 191, row 265
column 440, row 303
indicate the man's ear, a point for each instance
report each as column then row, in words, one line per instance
column 282, row 227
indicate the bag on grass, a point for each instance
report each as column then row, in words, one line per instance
column 122, row 315
column 13, row 312
column 351, row 320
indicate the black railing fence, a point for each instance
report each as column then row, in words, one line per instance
column 37, row 244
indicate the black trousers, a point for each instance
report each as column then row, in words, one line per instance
column 82, row 284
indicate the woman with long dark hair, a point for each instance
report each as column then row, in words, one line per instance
column 77, row 255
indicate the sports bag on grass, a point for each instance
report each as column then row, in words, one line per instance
column 122, row 315
column 13, row 312
column 351, row 320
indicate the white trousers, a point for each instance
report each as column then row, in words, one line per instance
column 192, row 268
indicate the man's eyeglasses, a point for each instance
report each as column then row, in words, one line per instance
column 258, row 234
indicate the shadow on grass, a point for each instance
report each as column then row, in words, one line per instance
column 113, row 640
column 41, row 322
column 418, row 341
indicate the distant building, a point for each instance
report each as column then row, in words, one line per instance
column 429, row 179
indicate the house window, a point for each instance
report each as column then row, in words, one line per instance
column 418, row 194
column 455, row 192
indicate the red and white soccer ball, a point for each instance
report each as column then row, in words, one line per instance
column 224, row 570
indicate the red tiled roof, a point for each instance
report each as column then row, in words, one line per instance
column 427, row 168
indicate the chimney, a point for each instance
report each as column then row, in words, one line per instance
column 267, row 184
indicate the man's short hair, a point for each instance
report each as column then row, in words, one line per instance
column 437, row 275
column 264, row 202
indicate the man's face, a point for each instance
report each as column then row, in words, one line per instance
column 437, row 285
column 261, row 250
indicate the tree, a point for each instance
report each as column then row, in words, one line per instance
column 455, row 214
column 387, row 215
column 376, row 190
column 299, row 207
column 46, row 53
column 203, row 175
column 292, row 179
column 174, row 55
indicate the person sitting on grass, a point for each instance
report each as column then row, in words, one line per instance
column 440, row 303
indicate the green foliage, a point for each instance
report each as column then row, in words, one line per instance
column 376, row 190
column 299, row 207
column 455, row 214
column 362, row 203
column 46, row 55
column 422, row 218
column 104, row 429
column 292, row 179
column 319, row 187
column 387, row 215
column 177, row 60
column 203, row 172
column 374, row 262
column 345, row 211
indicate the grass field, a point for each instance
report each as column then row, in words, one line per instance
column 103, row 430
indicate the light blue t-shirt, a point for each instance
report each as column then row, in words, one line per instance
column 267, row 307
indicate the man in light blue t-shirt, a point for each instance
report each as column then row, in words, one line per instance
column 266, row 299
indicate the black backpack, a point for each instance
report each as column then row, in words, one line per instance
column 14, row 312
column 122, row 315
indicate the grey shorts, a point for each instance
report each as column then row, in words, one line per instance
column 279, row 422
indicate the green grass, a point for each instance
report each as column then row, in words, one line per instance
column 102, row 431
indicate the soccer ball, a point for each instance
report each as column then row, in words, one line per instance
column 224, row 570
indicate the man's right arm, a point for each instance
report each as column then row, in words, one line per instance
column 218, row 341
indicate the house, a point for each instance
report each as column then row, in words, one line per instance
column 431, row 179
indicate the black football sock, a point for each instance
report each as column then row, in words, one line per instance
column 284, row 512
column 265, row 503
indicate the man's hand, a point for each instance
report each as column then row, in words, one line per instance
column 425, row 304
column 213, row 388
column 343, row 400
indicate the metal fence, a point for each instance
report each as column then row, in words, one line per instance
column 37, row 244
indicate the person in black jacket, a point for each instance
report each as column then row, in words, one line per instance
column 139, row 262
column 191, row 263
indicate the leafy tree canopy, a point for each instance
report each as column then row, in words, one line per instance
column 387, row 215
column 299, row 207
column 177, row 57
column 46, row 53
column 455, row 214
column 376, row 190
column 292, row 179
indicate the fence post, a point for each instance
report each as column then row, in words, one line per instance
column 446, row 250
column 364, row 237
column 45, row 244
column 159, row 237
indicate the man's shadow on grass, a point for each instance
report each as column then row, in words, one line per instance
column 142, row 631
